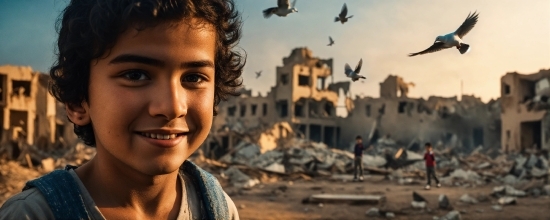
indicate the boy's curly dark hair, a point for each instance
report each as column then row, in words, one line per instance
column 89, row 28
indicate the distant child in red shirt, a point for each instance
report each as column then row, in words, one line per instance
column 430, row 165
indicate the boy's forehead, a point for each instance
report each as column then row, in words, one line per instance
column 192, row 23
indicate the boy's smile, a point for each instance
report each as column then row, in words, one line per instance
column 151, row 97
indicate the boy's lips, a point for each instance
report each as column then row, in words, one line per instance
column 163, row 138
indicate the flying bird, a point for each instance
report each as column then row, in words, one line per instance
column 453, row 39
column 342, row 16
column 331, row 41
column 282, row 10
column 354, row 74
column 258, row 74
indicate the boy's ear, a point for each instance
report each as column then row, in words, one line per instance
column 78, row 114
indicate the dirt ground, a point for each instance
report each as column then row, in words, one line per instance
column 273, row 201
column 283, row 199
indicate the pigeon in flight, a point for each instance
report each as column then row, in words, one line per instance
column 354, row 74
column 282, row 10
column 453, row 39
column 258, row 74
column 331, row 41
column 342, row 16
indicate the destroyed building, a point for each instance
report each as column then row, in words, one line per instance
column 30, row 114
column 466, row 123
column 303, row 104
column 525, row 118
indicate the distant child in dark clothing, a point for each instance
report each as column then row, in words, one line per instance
column 358, row 162
column 430, row 165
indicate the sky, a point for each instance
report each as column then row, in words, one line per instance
column 510, row 36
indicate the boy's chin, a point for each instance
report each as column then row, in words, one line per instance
column 155, row 168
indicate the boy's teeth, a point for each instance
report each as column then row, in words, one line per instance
column 160, row 136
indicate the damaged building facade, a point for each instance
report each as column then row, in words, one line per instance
column 29, row 113
column 525, row 118
column 304, row 100
column 301, row 104
column 466, row 123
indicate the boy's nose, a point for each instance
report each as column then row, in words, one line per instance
column 169, row 102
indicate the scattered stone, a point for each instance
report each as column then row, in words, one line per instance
column 444, row 202
column 497, row 208
column 453, row 215
column 484, row 165
column 418, row 198
column 510, row 179
column 418, row 205
column 511, row 191
column 468, row 199
column 538, row 173
column 536, row 192
column 507, row 201
column 373, row 212
column 390, row 215
column 547, row 189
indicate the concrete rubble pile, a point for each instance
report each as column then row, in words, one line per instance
column 479, row 169
column 310, row 159
column 45, row 161
column 301, row 157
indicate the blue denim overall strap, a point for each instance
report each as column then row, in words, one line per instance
column 62, row 193
column 211, row 192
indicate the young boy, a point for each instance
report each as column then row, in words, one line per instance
column 430, row 165
column 358, row 161
column 140, row 81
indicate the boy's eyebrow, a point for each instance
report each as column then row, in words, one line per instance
column 198, row 64
column 132, row 58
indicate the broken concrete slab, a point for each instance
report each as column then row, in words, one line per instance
column 339, row 198
column 511, row 191
column 468, row 199
column 373, row 161
column 465, row 175
column 507, row 201
column 508, row 191
column 538, row 173
column 238, row 179
column 276, row 168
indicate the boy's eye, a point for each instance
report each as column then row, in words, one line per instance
column 193, row 78
column 135, row 75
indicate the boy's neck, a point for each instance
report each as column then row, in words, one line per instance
column 136, row 194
